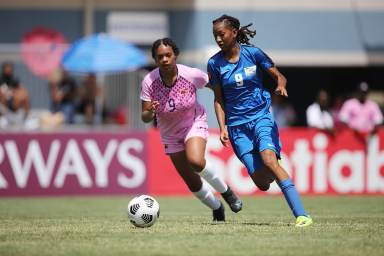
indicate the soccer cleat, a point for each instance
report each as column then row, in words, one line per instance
column 218, row 214
column 303, row 221
column 233, row 201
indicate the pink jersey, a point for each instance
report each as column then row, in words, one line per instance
column 179, row 108
column 361, row 117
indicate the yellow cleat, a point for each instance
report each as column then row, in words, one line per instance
column 303, row 221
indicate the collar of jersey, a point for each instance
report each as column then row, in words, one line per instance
column 177, row 77
column 234, row 63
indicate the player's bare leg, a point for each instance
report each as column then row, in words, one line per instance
column 270, row 161
column 190, row 178
column 287, row 187
column 195, row 151
column 196, row 186
column 262, row 178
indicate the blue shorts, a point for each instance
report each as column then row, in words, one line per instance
column 250, row 138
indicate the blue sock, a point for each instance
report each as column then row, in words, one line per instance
column 292, row 197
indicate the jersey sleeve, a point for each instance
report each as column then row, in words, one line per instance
column 199, row 78
column 377, row 115
column 263, row 59
column 213, row 74
column 145, row 90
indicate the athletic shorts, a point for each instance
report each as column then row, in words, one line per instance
column 250, row 138
column 198, row 129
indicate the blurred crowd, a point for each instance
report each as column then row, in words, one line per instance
column 71, row 103
column 14, row 98
column 357, row 112
column 83, row 103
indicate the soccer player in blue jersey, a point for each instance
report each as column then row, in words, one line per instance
column 242, row 107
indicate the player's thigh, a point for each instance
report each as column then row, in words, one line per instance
column 252, row 161
column 193, row 180
column 267, row 135
column 195, row 152
column 241, row 141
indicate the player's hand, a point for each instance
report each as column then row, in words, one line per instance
column 224, row 138
column 154, row 106
column 282, row 91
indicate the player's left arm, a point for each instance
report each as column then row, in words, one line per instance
column 281, row 81
column 199, row 78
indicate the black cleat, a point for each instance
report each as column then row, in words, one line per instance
column 218, row 214
column 233, row 201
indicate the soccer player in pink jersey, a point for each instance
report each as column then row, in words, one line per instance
column 169, row 92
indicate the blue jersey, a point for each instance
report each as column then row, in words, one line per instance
column 245, row 98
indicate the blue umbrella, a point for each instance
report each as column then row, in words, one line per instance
column 100, row 53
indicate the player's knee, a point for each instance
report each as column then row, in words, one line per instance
column 270, row 162
column 197, row 164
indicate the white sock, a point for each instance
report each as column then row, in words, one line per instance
column 206, row 196
column 213, row 179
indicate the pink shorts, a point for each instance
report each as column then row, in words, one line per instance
column 198, row 129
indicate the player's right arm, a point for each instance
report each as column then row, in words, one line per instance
column 148, row 106
column 220, row 114
column 148, row 110
column 214, row 84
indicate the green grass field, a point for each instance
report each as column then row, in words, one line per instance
column 99, row 226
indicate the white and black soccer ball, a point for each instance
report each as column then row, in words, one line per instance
column 143, row 211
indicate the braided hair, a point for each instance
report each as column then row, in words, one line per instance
column 242, row 32
column 167, row 42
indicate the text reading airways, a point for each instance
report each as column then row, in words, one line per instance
column 314, row 171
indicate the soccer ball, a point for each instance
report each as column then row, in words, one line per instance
column 143, row 211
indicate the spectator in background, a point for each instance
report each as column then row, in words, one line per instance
column 335, row 110
column 92, row 103
column 318, row 113
column 283, row 112
column 14, row 98
column 361, row 114
column 63, row 96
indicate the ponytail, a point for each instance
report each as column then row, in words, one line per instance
column 243, row 33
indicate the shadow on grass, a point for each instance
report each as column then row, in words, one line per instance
column 255, row 224
column 260, row 224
